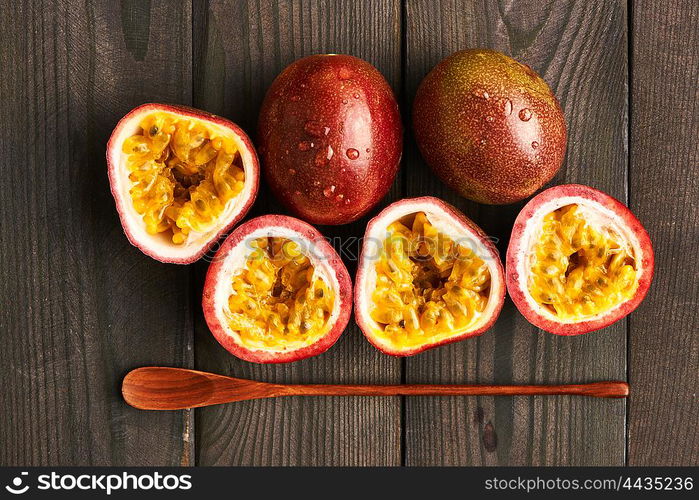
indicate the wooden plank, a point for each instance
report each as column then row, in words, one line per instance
column 580, row 49
column 241, row 48
column 81, row 306
column 664, row 176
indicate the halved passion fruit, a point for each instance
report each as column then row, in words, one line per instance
column 578, row 260
column 277, row 292
column 427, row 276
column 181, row 178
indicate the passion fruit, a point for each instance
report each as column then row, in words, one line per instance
column 427, row 276
column 330, row 138
column 276, row 292
column 489, row 126
column 578, row 260
column 181, row 178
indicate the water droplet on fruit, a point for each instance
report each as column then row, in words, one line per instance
column 328, row 191
column 347, row 201
column 352, row 154
column 484, row 142
column 292, row 171
column 344, row 74
column 525, row 114
column 482, row 93
column 507, row 107
column 305, row 145
column 355, row 95
column 339, row 197
column 326, row 130
column 295, row 98
column 489, row 119
column 316, row 183
column 331, row 152
column 313, row 128
column 344, row 101
column 535, row 144
column 367, row 150
column 321, row 158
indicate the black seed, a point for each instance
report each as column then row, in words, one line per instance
column 154, row 130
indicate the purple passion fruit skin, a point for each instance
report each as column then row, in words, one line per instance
column 489, row 126
column 330, row 138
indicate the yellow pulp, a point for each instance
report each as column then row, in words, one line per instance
column 428, row 288
column 183, row 173
column 278, row 300
column 578, row 271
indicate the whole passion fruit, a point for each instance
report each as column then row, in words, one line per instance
column 330, row 138
column 578, row 260
column 277, row 292
column 427, row 276
column 489, row 126
column 181, row 178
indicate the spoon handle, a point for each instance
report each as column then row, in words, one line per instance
column 608, row 389
column 164, row 388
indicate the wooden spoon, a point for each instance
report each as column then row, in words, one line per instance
column 162, row 388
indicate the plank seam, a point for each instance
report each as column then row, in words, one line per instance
column 404, row 191
column 190, row 421
column 629, row 131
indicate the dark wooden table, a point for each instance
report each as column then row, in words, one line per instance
column 80, row 306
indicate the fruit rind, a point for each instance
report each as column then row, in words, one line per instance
column 439, row 210
column 230, row 257
column 330, row 138
column 466, row 119
column 132, row 222
column 527, row 222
